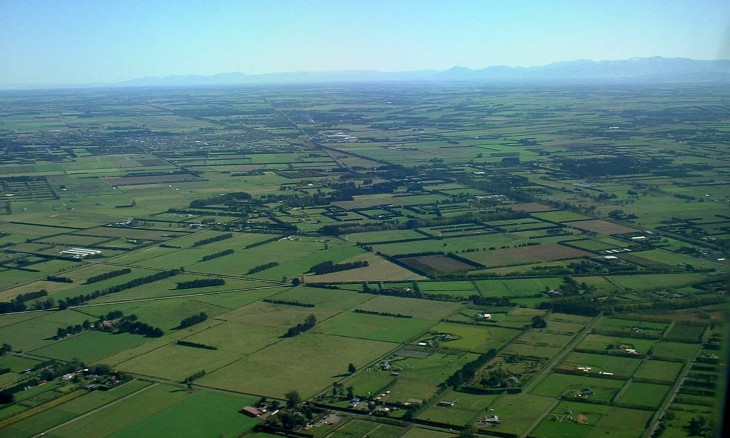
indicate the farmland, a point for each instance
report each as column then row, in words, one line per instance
column 383, row 260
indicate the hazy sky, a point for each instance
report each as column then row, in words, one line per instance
column 79, row 41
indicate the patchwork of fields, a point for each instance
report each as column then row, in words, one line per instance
column 498, row 261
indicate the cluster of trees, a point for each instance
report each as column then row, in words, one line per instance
column 339, row 390
column 59, row 279
column 192, row 320
column 328, row 266
column 216, row 255
column 538, row 322
column 196, row 345
column 308, row 323
column 288, row 303
column 189, row 379
column 217, row 238
column 294, row 415
column 201, row 282
column 127, row 324
column 227, row 199
column 263, row 267
column 571, row 287
column 372, row 312
column 619, row 214
column 50, row 370
column 72, row 329
column 81, row 299
column 618, row 165
column 491, row 301
column 139, row 328
column 108, row 275
column 469, row 370
column 17, row 304
column 579, row 305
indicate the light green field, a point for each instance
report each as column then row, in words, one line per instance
column 289, row 364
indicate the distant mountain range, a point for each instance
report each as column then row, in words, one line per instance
column 641, row 70
column 630, row 70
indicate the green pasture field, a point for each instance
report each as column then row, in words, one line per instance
column 474, row 338
column 542, row 337
column 466, row 407
column 675, row 350
column 187, row 360
column 599, row 244
column 557, row 384
column 71, row 409
column 90, row 346
column 566, row 317
column 308, row 363
column 277, row 316
column 203, row 413
column 601, row 342
column 39, row 331
column 649, row 395
column 631, row 323
column 516, row 287
column 235, row 337
column 561, row 327
column 686, row 333
column 518, row 413
column 165, row 314
column 559, row 216
column 618, row 365
column 370, row 382
column 375, row 327
column 168, row 288
column 531, row 350
column 424, row 309
column 116, row 417
column 667, row 260
column 356, row 428
column 296, row 255
column 417, row 432
column 464, row 288
column 600, row 420
column 659, row 370
column 326, row 298
column 434, row 369
column 17, row 363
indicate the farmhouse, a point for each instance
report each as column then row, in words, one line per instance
column 80, row 253
column 492, row 420
column 251, row 411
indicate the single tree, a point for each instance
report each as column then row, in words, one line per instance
column 351, row 368
column 292, row 398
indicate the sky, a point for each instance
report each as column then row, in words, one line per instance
column 60, row 42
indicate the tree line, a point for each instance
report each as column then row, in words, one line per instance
column 213, row 239
column 17, row 304
column 81, row 299
column 308, row 323
column 469, row 370
column 107, row 275
column 372, row 312
column 328, row 266
column 192, row 320
column 216, row 255
column 263, row 267
column 288, row 303
column 200, row 282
